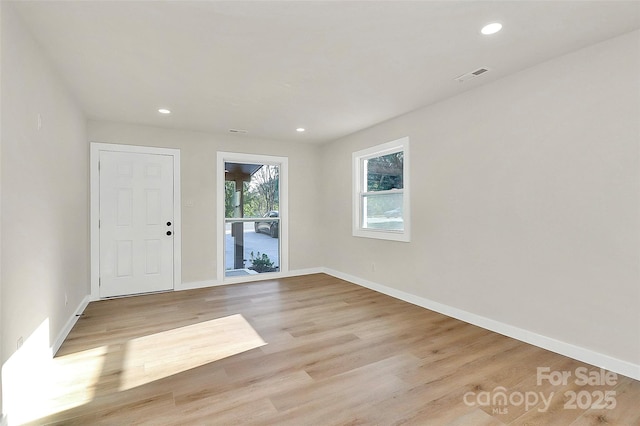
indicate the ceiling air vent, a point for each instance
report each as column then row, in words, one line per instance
column 472, row 74
column 237, row 131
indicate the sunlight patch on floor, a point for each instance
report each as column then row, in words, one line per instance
column 76, row 377
column 163, row 354
column 35, row 385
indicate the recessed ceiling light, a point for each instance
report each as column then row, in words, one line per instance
column 164, row 111
column 491, row 28
column 300, row 129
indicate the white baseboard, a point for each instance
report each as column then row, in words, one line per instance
column 69, row 325
column 308, row 271
column 192, row 285
column 572, row 351
column 248, row 278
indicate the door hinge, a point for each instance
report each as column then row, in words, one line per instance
column 98, row 166
column 99, row 282
column 99, row 223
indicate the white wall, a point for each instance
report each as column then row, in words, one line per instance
column 525, row 201
column 44, row 196
column 198, row 167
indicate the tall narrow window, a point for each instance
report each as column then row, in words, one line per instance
column 252, row 207
column 381, row 191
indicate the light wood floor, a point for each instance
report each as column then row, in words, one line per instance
column 310, row 350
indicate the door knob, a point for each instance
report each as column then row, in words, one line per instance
column 168, row 232
column 168, row 223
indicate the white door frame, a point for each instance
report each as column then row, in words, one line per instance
column 95, row 150
column 233, row 157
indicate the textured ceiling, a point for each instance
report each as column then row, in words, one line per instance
column 268, row 67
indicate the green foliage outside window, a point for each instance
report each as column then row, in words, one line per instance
column 385, row 172
column 261, row 195
column 262, row 263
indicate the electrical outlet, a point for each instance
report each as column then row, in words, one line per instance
column 373, row 266
column 19, row 344
column 66, row 299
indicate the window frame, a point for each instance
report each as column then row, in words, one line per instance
column 283, row 220
column 359, row 185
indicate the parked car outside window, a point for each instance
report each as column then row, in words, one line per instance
column 269, row 227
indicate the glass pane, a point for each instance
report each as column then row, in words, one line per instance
column 252, row 191
column 262, row 192
column 383, row 211
column 385, row 172
column 260, row 251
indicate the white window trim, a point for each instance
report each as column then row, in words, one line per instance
column 401, row 144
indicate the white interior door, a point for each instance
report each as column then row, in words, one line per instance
column 136, row 223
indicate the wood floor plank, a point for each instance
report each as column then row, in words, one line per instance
column 310, row 350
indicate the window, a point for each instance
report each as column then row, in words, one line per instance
column 381, row 191
column 252, row 198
